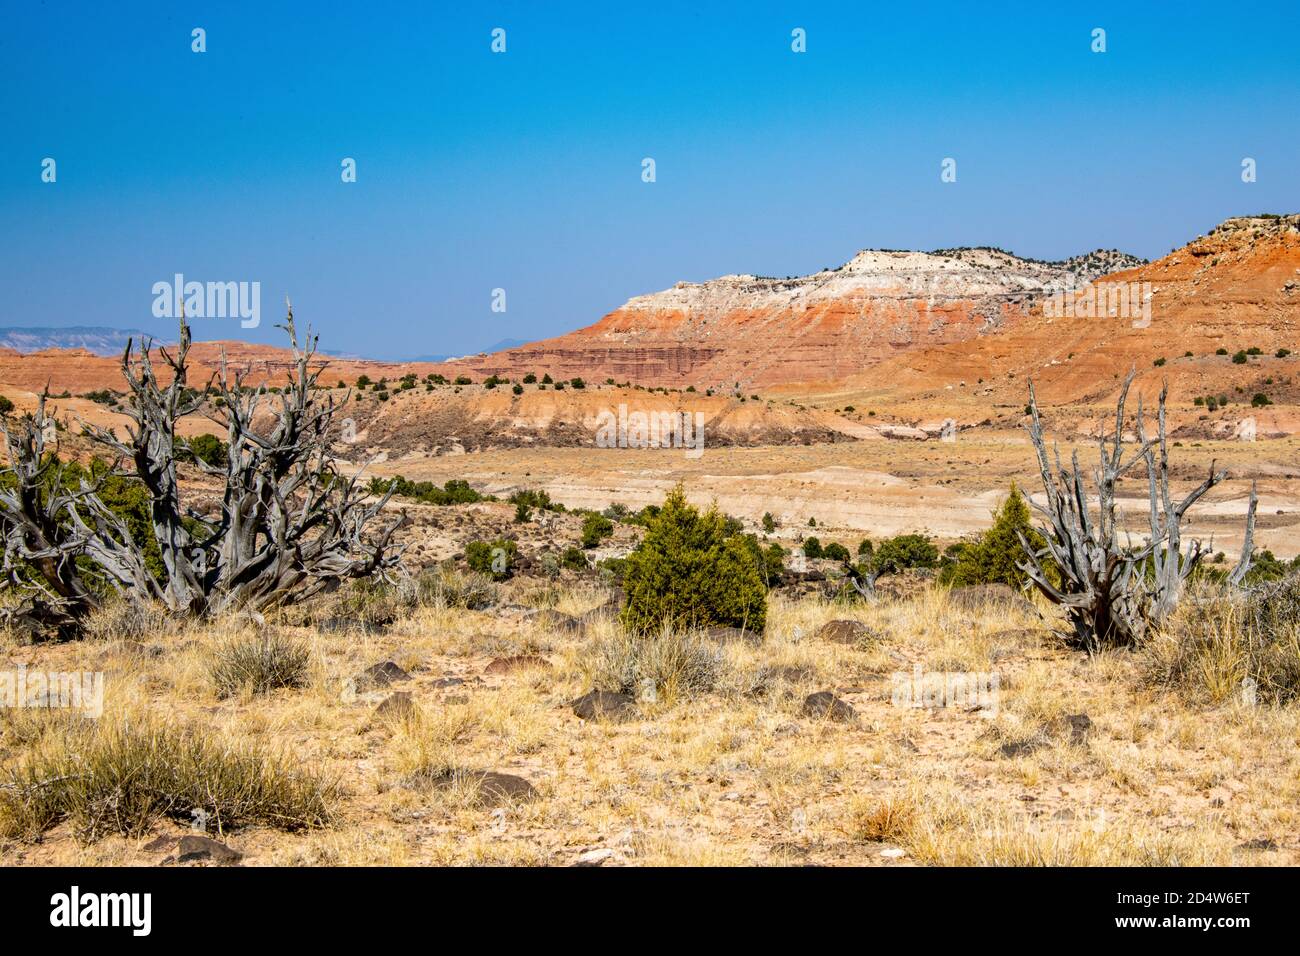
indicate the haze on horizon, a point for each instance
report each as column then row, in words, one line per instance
column 522, row 170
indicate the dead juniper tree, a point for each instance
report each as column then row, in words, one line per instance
column 1113, row 593
column 289, row 524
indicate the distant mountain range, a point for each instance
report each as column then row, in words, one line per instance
column 936, row 312
column 99, row 339
column 497, row 347
column 105, row 340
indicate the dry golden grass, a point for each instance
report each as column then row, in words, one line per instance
column 722, row 772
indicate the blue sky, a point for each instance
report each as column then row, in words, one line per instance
column 522, row 170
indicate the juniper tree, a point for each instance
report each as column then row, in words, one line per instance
column 288, row 524
column 1114, row 592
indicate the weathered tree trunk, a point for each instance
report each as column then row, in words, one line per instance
column 290, row 524
column 1104, row 586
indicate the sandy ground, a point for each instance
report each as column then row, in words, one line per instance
column 881, row 488
column 737, row 774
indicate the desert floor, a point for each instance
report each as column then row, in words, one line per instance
column 1077, row 760
column 882, row 487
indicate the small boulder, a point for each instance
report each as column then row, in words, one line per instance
column 604, row 705
column 845, row 632
column 491, row 788
column 201, row 849
column 733, row 635
column 348, row 625
column 1078, row 727
column 380, row 675
column 980, row 597
column 557, row 621
column 824, row 705
column 595, row 857
column 394, row 709
column 1022, row 747
column 507, row 665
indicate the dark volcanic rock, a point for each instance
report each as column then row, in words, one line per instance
column 201, row 849
column 492, row 788
column 556, row 621
column 1079, row 727
column 348, row 625
column 395, row 708
column 845, row 632
column 604, row 705
column 734, row 635
column 825, row 705
column 506, row 665
column 380, row 675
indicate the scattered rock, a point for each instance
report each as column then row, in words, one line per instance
column 902, row 431
column 161, row 844
column 1021, row 748
column 604, row 705
column 492, row 788
column 823, row 705
column 1260, row 843
column 506, row 665
column 393, row 709
column 594, row 857
column 556, row 621
column 845, row 632
column 380, row 675
column 893, row 853
column 1079, row 727
column 348, row 625
column 733, row 635
column 792, row 673
column 447, row 682
column 979, row 597
column 609, row 610
column 201, row 849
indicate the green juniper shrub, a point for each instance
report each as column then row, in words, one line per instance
column 773, row 564
column 574, row 559
column 835, row 552
column 595, row 529
column 992, row 558
column 208, row 449
column 812, row 548
column 612, row 570
column 494, row 558
column 905, row 551
column 535, row 498
column 688, row 572
column 769, row 523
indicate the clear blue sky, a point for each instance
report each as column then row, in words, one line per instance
column 523, row 170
